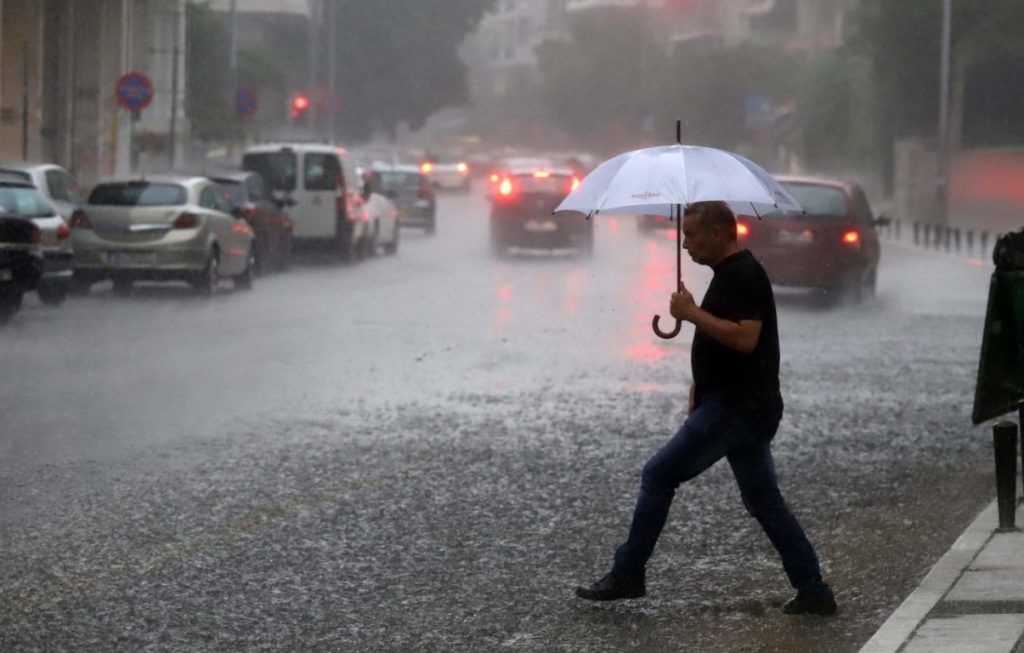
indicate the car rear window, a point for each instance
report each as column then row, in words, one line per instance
column 139, row 194
column 557, row 184
column 278, row 169
column 818, row 201
column 397, row 181
column 24, row 202
column 237, row 191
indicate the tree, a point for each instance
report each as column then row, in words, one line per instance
column 397, row 61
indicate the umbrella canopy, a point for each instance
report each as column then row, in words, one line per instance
column 654, row 179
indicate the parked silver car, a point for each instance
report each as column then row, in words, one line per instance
column 56, row 184
column 165, row 228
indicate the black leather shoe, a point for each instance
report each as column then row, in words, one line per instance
column 823, row 604
column 612, row 588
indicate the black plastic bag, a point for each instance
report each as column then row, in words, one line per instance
column 1008, row 254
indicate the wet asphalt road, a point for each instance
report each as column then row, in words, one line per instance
column 427, row 452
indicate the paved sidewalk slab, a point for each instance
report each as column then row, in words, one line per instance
column 971, row 634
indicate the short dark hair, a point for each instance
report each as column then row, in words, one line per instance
column 714, row 214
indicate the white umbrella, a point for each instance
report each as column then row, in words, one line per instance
column 661, row 180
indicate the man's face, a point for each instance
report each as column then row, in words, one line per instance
column 702, row 244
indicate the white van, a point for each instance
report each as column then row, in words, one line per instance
column 312, row 176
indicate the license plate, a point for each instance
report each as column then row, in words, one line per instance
column 788, row 237
column 6, row 274
column 545, row 226
column 127, row 258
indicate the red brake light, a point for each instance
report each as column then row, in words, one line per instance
column 79, row 220
column 541, row 174
column 505, row 187
column 463, row 168
column 494, row 178
column 742, row 230
column 187, row 221
column 575, row 184
column 851, row 238
column 63, row 231
column 426, row 167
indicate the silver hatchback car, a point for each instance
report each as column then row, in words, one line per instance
column 166, row 228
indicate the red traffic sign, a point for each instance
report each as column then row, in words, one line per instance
column 246, row 102
column 134, row 91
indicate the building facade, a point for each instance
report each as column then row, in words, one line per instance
column 59, row 65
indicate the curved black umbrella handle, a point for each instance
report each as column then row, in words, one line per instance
column 667, row 335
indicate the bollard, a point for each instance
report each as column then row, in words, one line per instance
column 927, row 235
column 984, row 244
column 956, row 239
column 1004, row 438
column 946, row 238
column 917, row 233
column 897, row 222
column 970, row 243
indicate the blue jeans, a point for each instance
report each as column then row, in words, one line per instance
column 713, row 431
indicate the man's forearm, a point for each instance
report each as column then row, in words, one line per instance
column 729, row 333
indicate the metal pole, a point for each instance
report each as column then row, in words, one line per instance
column 1004, row 437
column 332, row 93
column 172, row 132
column 679, row 222
column 942, row 195
column 24, row 101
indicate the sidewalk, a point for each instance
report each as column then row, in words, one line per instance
column 972, row 601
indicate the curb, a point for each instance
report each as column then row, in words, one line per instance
column 901, row 625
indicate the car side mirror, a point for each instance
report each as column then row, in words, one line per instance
column 882, row 221
column 366, row 190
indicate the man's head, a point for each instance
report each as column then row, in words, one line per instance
column 709, row 232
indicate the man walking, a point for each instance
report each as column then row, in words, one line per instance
column 734, row 412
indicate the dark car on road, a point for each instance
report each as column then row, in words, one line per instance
column 410, row 190
column 832, row 246
column 20, row 197
column 21, row 262
column 522, row 202
column 264, row 213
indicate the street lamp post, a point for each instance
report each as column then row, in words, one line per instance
column 942, row 149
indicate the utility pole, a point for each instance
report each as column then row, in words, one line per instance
column 172, row 132
column 233, row 71
column 331, row 98
column 942, row 149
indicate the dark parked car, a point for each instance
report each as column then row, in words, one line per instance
column 21, row 198
column 522, row 201
column 410, row 190
column 833, row 246
column 264, row 213
column 21, row 262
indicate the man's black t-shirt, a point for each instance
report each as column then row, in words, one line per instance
column 740, row 290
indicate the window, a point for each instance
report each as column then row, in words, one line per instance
column 322, row 172
column 24, row 202
column 863, row 206
column 276, row 168
column 216, row 198
column 818, row 201
column 255, row 185
column 57, row 185
column 138, row 193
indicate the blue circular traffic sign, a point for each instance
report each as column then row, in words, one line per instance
column 246, row 102
column 134, row 91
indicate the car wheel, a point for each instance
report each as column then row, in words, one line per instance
column 205, row 283
column 371, row 243
column 10, row 303
column 851, row 289
column 52, row 294
column 244, row 281
column 123, row 287
column 871, row 284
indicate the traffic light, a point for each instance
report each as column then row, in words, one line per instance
column 300, row 102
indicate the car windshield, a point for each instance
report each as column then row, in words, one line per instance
column 397, row 181
column 277, row 168
column 818, row 201
column 531, row 183
column 24, row 202
column 236, row 191
column 139, row 193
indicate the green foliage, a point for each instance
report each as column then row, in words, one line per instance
column 207, row 96
column 398, row 60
